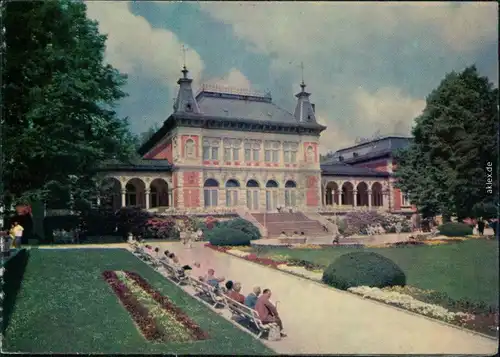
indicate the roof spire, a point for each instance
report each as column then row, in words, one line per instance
column 302, row 84
column 184, row 68
column 185, row 101
column 304, row 111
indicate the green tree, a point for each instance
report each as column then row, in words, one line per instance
column 445, row 169
column 58, row 98
column 143, row 137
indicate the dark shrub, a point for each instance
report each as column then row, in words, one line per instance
column 242, row 225
column 227, row 236
column 455, row 229
column 363, row 269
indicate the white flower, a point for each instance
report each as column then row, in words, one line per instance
column 238, row 253
column 407, row 302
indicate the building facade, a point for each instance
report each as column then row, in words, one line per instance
column 223, row 148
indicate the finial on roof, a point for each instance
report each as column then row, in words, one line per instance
column 302, row 84
column 184, row 68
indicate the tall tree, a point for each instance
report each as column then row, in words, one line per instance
column 446, row 169
column 58, row 93
column 143, row 137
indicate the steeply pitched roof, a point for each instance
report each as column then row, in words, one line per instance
column 386, row 142
column 341, row 169
column 243, row 107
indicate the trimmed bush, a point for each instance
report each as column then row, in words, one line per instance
column 363, row 269
column 227, row 236
column 242, row 225
column 455, row 229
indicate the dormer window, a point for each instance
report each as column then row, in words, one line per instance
column 309, row 118
column 354, row 154
column 341, row 158
column 189, row 108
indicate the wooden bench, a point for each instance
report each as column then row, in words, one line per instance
column 178, row 275
column 204, row 289
column 246, row 313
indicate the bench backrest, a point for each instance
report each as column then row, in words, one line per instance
column 241, row 309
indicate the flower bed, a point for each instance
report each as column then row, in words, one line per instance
column 474, row 316
column 410, row 298
column 156, row 316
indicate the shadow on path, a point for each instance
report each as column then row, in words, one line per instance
column 12, row 281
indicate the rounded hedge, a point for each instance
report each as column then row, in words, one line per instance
column 363, row 269
column 222, row 236
column 455, row 229
column 242, row 225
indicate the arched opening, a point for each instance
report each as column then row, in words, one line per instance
column 347, row 194
column 271, row 195
column 290, row 194
column 232, row 188
column 362, row 194
column 211, row 193
column 110, row 194
column 253, row 193
column 135, row 193
column 189, row 148
column 377, row 195
column 159, row 193
column 332, row 193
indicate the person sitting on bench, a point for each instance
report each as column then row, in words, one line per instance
column 251, row 298
column 211, row 280
column 235, row 293
column 267, row 311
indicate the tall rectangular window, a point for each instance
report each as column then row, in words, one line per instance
column 290, row 152
column 227, row 154
column 256, row 151
column 215, row 153
column 248, row 151
column 211, row 149
column 206, row 151
column 267, row 155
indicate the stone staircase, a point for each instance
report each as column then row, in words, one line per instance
column 275, row 223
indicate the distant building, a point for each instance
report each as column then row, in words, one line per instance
column 237, row 149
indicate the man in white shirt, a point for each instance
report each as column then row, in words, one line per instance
column 18, row 234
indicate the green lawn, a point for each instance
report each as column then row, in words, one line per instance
column 462, row 270
column 65, row 306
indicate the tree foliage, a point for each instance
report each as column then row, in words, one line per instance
column 58, row 93
column 445, row 169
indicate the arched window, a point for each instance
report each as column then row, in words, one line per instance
column 377, row 196
column 189, row 148
column 310, row 154
column 154, row 197
column 232, row 188
column 271, row 195
column 211, row 193
column 131, row 196
column 253, row 193
column 290, row 194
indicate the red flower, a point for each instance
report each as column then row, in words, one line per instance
column 169, row 306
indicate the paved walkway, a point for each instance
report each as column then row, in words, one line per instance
column 320, row 320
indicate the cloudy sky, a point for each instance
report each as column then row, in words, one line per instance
column 369, row 66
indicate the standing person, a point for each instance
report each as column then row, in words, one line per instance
column 480, row 226
column 267, row 311
column 18, row 234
